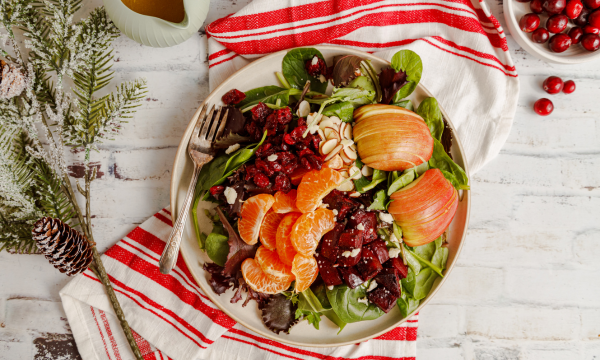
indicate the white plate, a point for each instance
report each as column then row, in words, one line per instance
column 261, row 72
column 576, row 54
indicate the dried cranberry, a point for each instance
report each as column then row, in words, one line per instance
column 282, row 183
column 233, row 96
column 304, row 152
column 289, row 168
column 315, row 162
column 288, row 139
column 296, row 134
column 261, row 180
column 302, row 122
column 260, row 111
column 316, row 66
column 216, row 190
column 251, row 128
column 284, row 116
column 315, row 141
column 264, row 150
column 285, row 157
column 306, row 164
column 264, row 167
column 251, row 170
column 275, row 166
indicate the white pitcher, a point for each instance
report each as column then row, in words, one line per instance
column 153, row 31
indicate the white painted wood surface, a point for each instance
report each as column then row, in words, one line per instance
column 527, row 285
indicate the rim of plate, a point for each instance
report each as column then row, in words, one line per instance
column 182, row 147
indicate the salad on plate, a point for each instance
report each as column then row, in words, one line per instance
column 333, row 192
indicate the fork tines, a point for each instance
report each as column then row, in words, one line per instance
column 210, row 127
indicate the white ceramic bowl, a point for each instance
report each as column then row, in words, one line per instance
column 514, row 11
column 261, row 72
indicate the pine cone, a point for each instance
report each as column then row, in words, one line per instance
column 12, row 80
column 66, row 248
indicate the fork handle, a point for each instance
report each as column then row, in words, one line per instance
column 169, row 256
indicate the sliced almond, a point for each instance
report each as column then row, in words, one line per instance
column 355, row 173
column 326, row 123
column 353, row 146
column 303, row 109
column 346, row 142
column 350, row 153
column 333, row 152
column 321, row 134
column 367, row 170
column 346, row 186
column 335, row 163
column 335, row 120
column 345, row 158
column 331, row 133
column 348, row 131
column 345, row 174
column 343, row 127
column 354, row 194
column 327, row 146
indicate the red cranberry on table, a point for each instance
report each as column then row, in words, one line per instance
column 589, row 29
column 540, row 35
column 543, row 107
column 575, row 34
column 592, row 4
column 554, row 6
column 569, row 86
column 536, row 6
column 560, row 42
column 583, row 17
column 553, row 85
column 590, row 42
column 529, row 22
column 594, row 18
column 557, row 23
column 573, row 8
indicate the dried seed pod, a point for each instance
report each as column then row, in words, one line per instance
column 12, row 81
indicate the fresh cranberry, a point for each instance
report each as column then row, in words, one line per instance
column 589, row 29
column 261, row 180
column 583, row 17
column 316, row 66
column 575, row 34
column 590, row 42
column 536, row 6
column 529, row 22
column 233, row 96
column 573, row 8
column 594, row 18
column 592, row 4
column 540, row 35
column 569, row 86
column 559, row 42
column 553, row 85
column 554, row 6
column 557, row 23
column 543, row 107
column 216, row 190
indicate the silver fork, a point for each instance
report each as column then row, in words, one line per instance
column 207, row 129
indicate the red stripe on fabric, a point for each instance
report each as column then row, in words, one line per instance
column 260, row 347
column 218, row 53
column 397, row 334
column 282, row 16
column 161, row 357
column 412, row 321
column 411, row 334
column 167, row 211
column 119, row 284
column 466, row 57
column 156, row 245
column 319, row 36
column 164, row 219
column 100, row 330
column 474, row 52
column 113, row 342
column 151, row 271
column 142, row 344
column 222, row 61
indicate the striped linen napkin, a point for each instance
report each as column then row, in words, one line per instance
column 173, row 319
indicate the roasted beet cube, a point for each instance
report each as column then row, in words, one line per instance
column 382, row 298
column 351, row 239
column 329, row 274
column 368, row 219
column 397, row 264
column 329, row 242
column 380, row 250
column 345, row 258
column 337, row 200
column 368, row 266
column 389, row 280
column 351, row 277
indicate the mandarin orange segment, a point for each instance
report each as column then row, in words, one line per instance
column 305, row 269
column 285, row 249
column 270, row 263
column 315, row 185
column 253, row 212
column 336, row 162
column 297, row 175
column 285, row 203
column 268, row 229
column 259, row 281
column 309, row 229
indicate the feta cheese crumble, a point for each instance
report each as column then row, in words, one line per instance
column 335, row 212
column 232, row 148
column 372, row 285
column 386, row 217
column 230, row 194
column 330, row 287
column 272, row 157
column 352, row 253
column 394, row 252
column 393, row 238
column 363, row 300
column 315, row 61
column 360, row 227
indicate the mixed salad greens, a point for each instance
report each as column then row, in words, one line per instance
column 285, row 117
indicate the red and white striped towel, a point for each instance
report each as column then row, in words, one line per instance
column 466, row 63
column 173, row 319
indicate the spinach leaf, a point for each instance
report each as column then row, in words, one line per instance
column 277, row 100
column 426, row 262
column 407, row 303
column 407, row 104
column 211, row 173
column 378, row 201
column 343, row 110
column 255, row 95
column 409, row 62
column 201, row 238
column 309, row 301
column 406, row 178
column 409, row 282
column 425, row 251
column 363, row 184
column 430, row 112
column 412, row 262
column 355, row 96
column 294, row 69
column 217, row 248
column 454, row 173
column 320, row 292
column 424, row 282
column 345, row 304
column 312, row 317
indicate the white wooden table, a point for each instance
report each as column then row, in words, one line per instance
column 527, row 285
